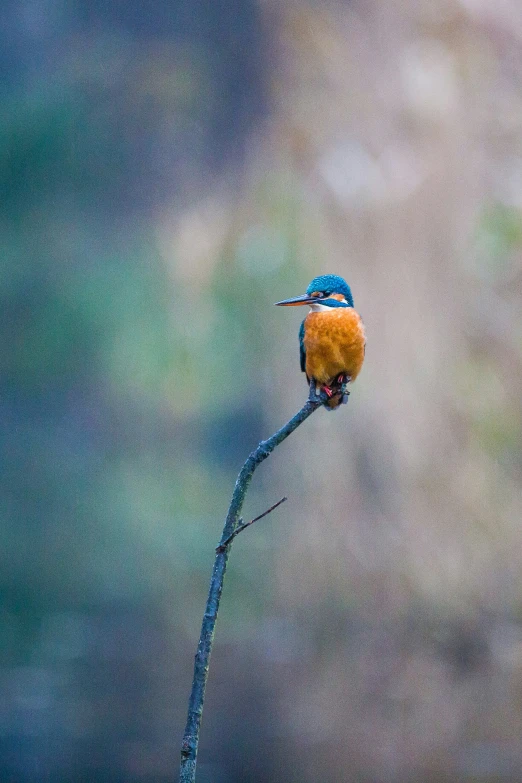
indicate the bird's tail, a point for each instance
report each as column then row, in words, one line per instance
column 340, row 393
column 339, row 398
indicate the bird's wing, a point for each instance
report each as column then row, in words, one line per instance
column 302, row 350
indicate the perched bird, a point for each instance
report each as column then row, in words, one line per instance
column 331, row 338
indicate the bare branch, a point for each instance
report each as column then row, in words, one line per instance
column 233, row 526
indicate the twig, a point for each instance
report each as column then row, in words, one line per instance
column 189, row 746
column 243, row 525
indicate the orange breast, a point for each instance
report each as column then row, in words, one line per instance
column 334, row 341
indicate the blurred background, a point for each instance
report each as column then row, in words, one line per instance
column 168, row 170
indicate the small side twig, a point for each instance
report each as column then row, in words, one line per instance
column 243, row 525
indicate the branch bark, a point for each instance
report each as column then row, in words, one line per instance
column 189, row 746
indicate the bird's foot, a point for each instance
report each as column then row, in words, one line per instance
column 322, row 397
column 343, row 381
column 328, row 391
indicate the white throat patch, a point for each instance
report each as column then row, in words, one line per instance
column 320, row 308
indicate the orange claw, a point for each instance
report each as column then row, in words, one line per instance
column 328, row 391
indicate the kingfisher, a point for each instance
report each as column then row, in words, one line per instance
column 331, row 338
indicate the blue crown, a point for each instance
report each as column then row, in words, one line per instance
column 331, row 284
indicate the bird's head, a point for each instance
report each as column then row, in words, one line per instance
column 323, row 292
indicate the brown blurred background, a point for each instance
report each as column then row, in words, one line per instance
column 168, row 171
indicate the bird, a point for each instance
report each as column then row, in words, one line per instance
column 332, row 338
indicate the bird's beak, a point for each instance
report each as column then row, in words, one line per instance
column 297, row 300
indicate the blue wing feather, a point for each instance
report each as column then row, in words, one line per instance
column 302, row 350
